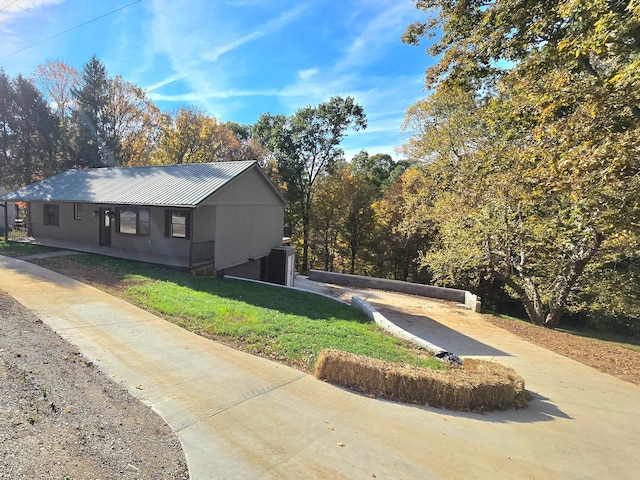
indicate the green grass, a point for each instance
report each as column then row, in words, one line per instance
column 14, row 249
column 278, row 323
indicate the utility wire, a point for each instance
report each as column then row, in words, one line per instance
column 70, row 29
column 7, row 6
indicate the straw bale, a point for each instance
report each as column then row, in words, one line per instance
column 479, row 385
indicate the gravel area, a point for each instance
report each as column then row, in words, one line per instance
column 62, row 418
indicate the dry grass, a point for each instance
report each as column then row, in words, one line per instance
column 478, row 386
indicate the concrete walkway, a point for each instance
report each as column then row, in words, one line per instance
column 241, row 417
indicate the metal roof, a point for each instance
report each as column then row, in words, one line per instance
column 185, row 185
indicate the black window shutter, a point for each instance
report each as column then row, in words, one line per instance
column 187, row 225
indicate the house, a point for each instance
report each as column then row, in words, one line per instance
column 217, row 218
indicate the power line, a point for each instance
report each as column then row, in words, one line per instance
column 68, row 30
column 7, row 6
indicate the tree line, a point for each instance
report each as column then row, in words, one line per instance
column 520, row 178
column 60, row 118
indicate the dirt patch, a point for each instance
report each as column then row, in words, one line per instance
column 89, row 274
column 608, row 358
column 63, row 418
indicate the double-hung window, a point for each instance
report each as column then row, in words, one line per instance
column 177, row 223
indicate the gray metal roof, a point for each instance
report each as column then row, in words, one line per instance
column 168, row 185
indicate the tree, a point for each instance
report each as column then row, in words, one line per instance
column 358, row 223
column 33, row 135
column 550, row 175
column 402, row 230
column 57, row 80
column 190, row 136
column 305, row 146
column 378, row 171
column 6, row 99
column 330, row 203
column 133, row 123
column 94, row 142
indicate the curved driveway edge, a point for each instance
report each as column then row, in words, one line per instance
column 240, row 416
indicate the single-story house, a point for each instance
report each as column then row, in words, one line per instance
column 217, row 218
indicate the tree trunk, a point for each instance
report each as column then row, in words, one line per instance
column 564, row 284
column 582, row 255
column 305, row 234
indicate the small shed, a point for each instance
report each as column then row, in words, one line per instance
column 217, row 218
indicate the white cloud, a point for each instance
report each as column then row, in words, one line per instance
column 378, row 33
column 306, row 75
column 20, row 6
column 270, row 27
column 166, row 81
column 191, row 41
column 211, row 94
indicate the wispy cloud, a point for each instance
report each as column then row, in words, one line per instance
column 12, row 8
column 270, row 27
column 349, row 52
column 165, row 82
column 212, row 94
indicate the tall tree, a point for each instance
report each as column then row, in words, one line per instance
column 552, row 175
column 307, row 145
column 6, row 100
column 133, row 123
column 34, row 131
column 57, row 80
column 95, row 145
column 330, row 203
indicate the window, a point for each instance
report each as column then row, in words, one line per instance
column 133, row 220
column 51, row 215
column 77, row 211
column 177, row 223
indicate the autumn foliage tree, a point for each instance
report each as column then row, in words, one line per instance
column 549, row 175
column 306, row 146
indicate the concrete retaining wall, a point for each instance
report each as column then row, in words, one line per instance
column 451, row 294
column 392, row 328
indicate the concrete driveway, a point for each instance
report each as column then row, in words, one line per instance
column 240, row 416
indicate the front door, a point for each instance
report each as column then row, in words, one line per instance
column 105, row 226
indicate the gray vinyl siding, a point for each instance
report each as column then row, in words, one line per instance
column 204, row 223
column 69, row 229
column 155, row 242
column 252, row 188
column 246, row 231
column 87, row 230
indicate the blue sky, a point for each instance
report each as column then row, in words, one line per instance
column 235, row 59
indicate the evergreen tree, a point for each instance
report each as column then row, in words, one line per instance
column 94, row 143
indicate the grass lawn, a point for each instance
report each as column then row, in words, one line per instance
column 278, row 323
column 13, row 249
